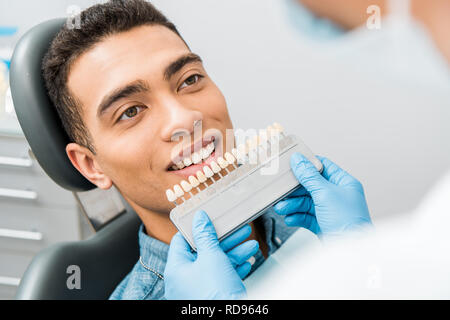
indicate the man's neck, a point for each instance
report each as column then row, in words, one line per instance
column 158, row 226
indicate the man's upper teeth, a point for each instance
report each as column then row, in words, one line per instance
column 187, row 161
column 195, row 157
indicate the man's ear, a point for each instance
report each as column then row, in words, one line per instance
column 83, row 159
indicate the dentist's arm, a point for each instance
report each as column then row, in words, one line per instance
column 215, row 271
column 328, row 204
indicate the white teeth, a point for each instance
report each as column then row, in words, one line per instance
column 222, row 163
column 236, row 157
column 187, row 162
column 205, row 153
column 193, row 181
column 278, row 127
column 263, row 137
column 186, row 186
column 252, row 143
column 171, row 195
column 178, row 191
column 208, row 172
column 242, row 149
column 215, row 167
column 201, row 177
column 180, row 165
column 196, row 158
column 229, row 157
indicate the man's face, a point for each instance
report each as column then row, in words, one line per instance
column 139, row 90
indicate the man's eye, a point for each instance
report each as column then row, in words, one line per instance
column 130, row 112
column 191, row 80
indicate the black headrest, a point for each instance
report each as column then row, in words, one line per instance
column 36, row 113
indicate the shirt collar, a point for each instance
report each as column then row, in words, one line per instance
column 153, row 252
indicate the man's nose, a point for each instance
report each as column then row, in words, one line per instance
column 179, row 120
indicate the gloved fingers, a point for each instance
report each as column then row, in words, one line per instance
column 244, row 269
column 243, row 252
column 306, row 173
column 294, row 205
column 235, row 238
column 180, row 249
column 335, row 174
column 204, row 233
column 298, row 193
column 303, row 220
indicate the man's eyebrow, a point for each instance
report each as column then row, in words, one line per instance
column 176, row 66
column 134, row 87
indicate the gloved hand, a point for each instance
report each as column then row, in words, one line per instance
column 215, row 270
column 327, row 204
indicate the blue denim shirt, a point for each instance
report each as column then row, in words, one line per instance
column 146, row 281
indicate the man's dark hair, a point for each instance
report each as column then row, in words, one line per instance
column 96, row 23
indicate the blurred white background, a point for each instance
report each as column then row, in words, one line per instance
column 348, row 100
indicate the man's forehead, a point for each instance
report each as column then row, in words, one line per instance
column 123, row 57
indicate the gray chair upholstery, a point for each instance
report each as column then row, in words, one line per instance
column 108, row 255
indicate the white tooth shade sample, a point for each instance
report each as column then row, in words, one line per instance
column 196, row 158
column 186, row 186
column 238, row 154
column 278, row 126
column 178, row 191
column 229, row 157
column 242, row 148
column 208, row 172
column 201, row 176
column 215, row 167
column 193, row 181
column 171, row 195
column 210, row 147
column 222, row 163
column 263, row 136
column 253, row 142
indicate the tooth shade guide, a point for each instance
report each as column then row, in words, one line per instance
column 257, row 148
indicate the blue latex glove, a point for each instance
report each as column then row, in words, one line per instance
column 327, row 204
column 215, row 270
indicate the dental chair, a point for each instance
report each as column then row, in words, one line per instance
column 105, row 258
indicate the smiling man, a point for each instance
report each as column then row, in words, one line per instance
column 126, row 87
